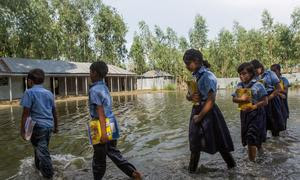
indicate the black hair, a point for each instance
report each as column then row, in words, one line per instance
column 248, row 67
column 100, row 68
column 195, row 55
column 36, row 75
column 257, row 64
column 276, row 67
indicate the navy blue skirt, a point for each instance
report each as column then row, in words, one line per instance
column 274, row 115
column 285, row 102
column 211, row 135
column 253, row 127
column 284, row 111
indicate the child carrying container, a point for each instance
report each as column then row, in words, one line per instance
column 104, row 126
column 284, row 84
column 208, row 131
column 274, row 115
column 253, row 119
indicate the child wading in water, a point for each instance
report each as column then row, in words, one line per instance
column 274, row 115
column 253, row 122
column 208, row 131
column 38, row 103
column 101, row 108
column 284, row 87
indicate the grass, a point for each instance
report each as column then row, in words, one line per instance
column 170, row 87
column 154, row 88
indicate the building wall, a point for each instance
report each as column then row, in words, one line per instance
column 18, row 86
column 156, row 82
column 17, row 89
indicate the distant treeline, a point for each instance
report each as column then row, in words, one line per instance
column 88, row 30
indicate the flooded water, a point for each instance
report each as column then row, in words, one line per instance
column 154, row 137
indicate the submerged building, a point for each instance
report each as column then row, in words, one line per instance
column 63, row 78
column 155, row 79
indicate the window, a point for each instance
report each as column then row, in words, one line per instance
column 3, row 81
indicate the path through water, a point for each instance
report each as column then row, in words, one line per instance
column 154, row 137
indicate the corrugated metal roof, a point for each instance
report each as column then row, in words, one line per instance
column 156, row 73
column 21, row 65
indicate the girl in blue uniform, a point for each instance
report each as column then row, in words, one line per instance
column 277, row 69
column 208, row 131
column 253, row 122
column 275, row 118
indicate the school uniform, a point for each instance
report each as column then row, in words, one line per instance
column 41, row 104
column 274, row 115
column 99, row 96
column 285, row 106
column 253, row 123
column 211, row 135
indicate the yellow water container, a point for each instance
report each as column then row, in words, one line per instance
column 94, row 130
column 192, row 89
column 240, row 92
column 281, row 84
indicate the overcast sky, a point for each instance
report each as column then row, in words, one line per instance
column 179, row 14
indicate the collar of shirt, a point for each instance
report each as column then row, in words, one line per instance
column 37, row 86
column 249, row 84
column 265, row 73
column 199, row 73
column 97, row 83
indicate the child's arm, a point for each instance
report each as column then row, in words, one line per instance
column 243, row 99
column 25, row 115
column 207, row 107
column 55, row 120
column 276, row 92
column 261, row 103
column 101, row 115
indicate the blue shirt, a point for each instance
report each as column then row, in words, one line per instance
column 40, row 101
column 258, row 90
column 270, row 80
column 206, row 81
column 99, row 96
column 285, row 82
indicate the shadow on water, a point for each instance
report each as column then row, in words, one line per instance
column 154, row 137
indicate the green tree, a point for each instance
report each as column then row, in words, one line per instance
column 110, row 31
column 198, row 34
column 137, row 56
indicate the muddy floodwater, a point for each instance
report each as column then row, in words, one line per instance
column 154, row 137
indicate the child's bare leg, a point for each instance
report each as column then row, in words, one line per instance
column 251, row 152
column 137, row 175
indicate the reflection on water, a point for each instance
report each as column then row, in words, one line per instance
column 154, row 137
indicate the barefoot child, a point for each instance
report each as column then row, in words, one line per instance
column 275, row 118
column 208, row 131
column 284, row 83
column 253, row 123
column 38, row 103
column 101, row 108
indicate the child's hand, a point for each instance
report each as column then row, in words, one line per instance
column 282, row 96
column 250, row 108
column 196, row 119
column 104, row 138
column 245, row 98
column 195, row 97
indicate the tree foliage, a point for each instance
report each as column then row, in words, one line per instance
column 89, row 30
